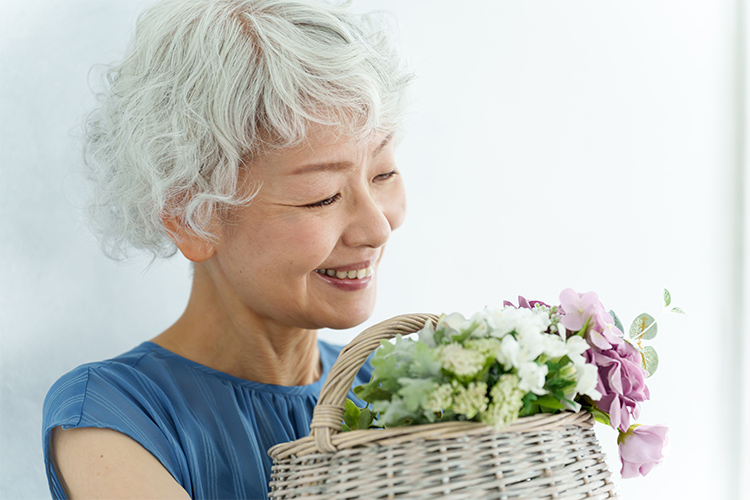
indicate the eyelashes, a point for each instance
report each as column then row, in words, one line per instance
column 386, row 176
column 323, row 203
column 333, row 199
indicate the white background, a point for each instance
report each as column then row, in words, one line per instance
column 593, row 144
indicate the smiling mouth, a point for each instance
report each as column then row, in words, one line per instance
column 354, row 274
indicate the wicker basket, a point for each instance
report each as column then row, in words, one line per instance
column 539, row 457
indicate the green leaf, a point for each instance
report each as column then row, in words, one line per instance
column 618, row 323
column 643, row 323
column 599, row 415
column 393, row 412
column 549, row 401
column 667, row 298
column 415, row 392
column 351, row 414
column 529, row 405
column 372, row 392
column 424, row 363
column 677, row 310
column 365, row 419
column 650, row 359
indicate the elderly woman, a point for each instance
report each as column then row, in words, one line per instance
column 256, row 138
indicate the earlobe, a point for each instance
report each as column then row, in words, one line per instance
column 193, row 247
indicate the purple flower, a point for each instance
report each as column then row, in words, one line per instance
column 524, row 304
column 621, row 376
column 641, row 448
column 579, row 308
column 621, row 382
column 604, row 334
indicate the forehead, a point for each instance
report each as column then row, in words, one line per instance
column 325, row 148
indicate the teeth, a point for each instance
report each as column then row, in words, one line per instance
column 353, row 274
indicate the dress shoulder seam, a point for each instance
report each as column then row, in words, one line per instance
column 85, row 397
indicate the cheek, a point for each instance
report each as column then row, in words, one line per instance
column 304, row 245
column 394, row 206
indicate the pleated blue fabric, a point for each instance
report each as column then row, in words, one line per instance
column 210, row 430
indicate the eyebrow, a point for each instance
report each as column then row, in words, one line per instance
column 341, row 165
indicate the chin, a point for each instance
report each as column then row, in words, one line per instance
column 350, row 317
column 348, row 321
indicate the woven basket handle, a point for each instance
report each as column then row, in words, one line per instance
column 329, row 412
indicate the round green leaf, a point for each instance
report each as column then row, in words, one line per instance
column 643, row 323
column 650, row 359
column 618, row 323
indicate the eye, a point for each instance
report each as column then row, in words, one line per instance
column 322, row 203
column 385, row 176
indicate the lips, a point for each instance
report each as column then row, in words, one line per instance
column 359, row 270
column 351, row 274
column 350, row 277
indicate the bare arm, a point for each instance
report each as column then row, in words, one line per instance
column 102, row 463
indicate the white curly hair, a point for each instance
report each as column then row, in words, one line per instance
column 207, row 84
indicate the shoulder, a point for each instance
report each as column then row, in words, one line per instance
column 88, row 384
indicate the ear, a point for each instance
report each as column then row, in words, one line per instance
column 192, row 246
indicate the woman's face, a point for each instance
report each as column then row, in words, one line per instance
column 305, row 252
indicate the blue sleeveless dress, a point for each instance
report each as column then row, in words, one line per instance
column 210, row 430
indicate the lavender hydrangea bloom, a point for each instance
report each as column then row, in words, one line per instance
column 621, row 382
column 621, row 376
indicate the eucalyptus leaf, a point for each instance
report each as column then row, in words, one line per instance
column 643, row 323
column 677, row 310
column 667, row 298
column 650, row 360
column 618, row 323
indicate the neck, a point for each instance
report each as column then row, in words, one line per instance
column 217, row 331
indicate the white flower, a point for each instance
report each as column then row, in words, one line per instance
column 453, row 324
column 553, row 346
column 510, row 352
column 501, row 321
column 532, row 345
column 470, row 400
column 482, row 323
column 427, row 334
column 531, row 321
column 460, row 361
column 586, row 379
column 576, row 346
column 532, row 377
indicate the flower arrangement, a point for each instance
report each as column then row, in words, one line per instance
column 515, row 361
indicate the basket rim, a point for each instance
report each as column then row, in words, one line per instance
column 440, row 430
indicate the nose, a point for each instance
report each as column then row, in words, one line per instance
column 368, row 225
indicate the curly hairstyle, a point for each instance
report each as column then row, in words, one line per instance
column 208, row 84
